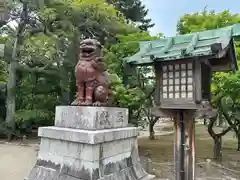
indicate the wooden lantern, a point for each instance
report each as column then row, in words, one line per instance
column 182, row 84
column 186, row 83
column 183, row 66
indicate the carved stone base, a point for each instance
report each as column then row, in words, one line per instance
column 75, row 154
column 91, row 118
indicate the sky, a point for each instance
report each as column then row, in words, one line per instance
column 166, row 13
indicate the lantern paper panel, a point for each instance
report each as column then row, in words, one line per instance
column 177, row 81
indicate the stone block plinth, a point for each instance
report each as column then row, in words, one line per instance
column 91, row 118
column 79, row 154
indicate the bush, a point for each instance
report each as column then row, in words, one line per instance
column 26, row 120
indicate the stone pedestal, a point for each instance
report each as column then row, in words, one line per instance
column 89, row 143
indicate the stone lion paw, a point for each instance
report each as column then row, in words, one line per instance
column 77, row 102
column 88, row 103
column 97, row 103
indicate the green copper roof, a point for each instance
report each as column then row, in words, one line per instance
column 183, row 46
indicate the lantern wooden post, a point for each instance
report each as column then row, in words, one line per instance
column 177, row 147
column 184, row 146
column 189, row 146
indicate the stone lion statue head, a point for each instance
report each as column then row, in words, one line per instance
column 89, row 49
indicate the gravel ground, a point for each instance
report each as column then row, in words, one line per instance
column 16, row 161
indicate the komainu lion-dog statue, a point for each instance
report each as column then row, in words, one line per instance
column 91, row 76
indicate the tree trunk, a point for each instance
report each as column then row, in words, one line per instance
column 234, row 127
column 217, row 138
column 238, row 137
column 151, row 131
column 205, row 121
column 11, row 85
column 152, row 122
column 65, row 93
column 220, row 121
column 217, row 148
column 11, row 98
column 238, row 146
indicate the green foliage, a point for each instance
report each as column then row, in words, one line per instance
column 136, row 96
column 127, row 46
column 3, row 65
column 48, row 53
column 3, row 72
column 28, row 119
column 124, row 97
column 206, row 21
column 131, row 98
column 38, row 51
column 94, row 18
column 135, row 11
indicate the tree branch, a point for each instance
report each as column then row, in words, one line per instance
column 42, row 70
column 228, row 118
column 211, row 131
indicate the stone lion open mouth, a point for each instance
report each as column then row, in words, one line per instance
column 88, row 47
column 87, row 50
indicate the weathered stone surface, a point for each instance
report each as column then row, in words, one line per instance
column 42, row 173
column 146, row 164
column 110, row 149
column 52, row 150
column 91, row 118
column 95, row 154
column 124, row 169
column 88, row 137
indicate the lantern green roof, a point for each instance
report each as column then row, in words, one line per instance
column 197, row 44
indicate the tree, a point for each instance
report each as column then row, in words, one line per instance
column 3, row 79
column 92, row 18
column 48, row 52
column 141, row 78
column 135, row 11
column 11, row 83
column 21, row 13
column 229, row 99
column 217, row 137
column 205, row 21
column 45, row 54
column 3, row 73
column 82, row 19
